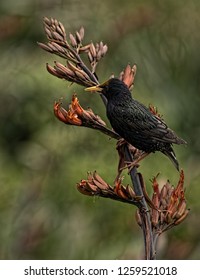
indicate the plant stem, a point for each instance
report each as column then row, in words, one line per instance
column 144, row 211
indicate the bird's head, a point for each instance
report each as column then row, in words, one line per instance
column 111, row 88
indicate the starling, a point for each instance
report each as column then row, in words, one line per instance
column 135, row 122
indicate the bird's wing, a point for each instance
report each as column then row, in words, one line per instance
column 149, row 125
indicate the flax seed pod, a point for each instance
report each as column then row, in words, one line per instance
column 92, row 187
column 78, row 37
column 90, row 57
column 72, row 40
column 181, row 209
column 99, row 185
column 182, row 218
column 130, row 192
column 93, row 50
column 62, row 28
column 53, row 71
column 44, row 47
column 57, row 47
column 48, row 33
column 46, row 21
column 81, row 33
column 98, row 178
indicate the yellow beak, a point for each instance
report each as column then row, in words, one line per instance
column 94, row 88
column 97, row 88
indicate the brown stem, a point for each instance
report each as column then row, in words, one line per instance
column 155, row 238
column 144, row 211
column 103, row 129
column 83, row 66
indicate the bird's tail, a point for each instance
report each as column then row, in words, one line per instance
column 171, row 155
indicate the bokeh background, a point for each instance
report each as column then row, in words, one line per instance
column 42, row 215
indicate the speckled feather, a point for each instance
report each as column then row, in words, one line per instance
column 136, row 124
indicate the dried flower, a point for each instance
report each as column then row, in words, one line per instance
column 72, row 73
column 96, row 186
column 75, row 70
column 169, row 205
column 128, row 75
column 78, row 116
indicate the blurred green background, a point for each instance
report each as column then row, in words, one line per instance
column 42, row 215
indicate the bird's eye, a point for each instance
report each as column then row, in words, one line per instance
column 105, row 89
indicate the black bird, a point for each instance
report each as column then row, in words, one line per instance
column 135, row 123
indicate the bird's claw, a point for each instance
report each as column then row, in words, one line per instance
column 131, row 165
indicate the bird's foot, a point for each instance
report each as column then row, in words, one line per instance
column 131, row 165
